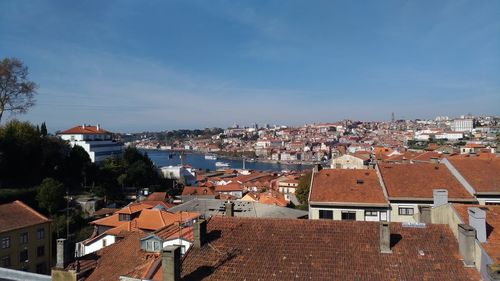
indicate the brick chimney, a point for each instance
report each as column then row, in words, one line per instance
column 385, row 237
column 466, row 243
column 229, row 209
column 171, row 263
column 199, row 233
column 440, row 197
column 477, row 219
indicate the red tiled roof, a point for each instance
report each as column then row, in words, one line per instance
column 123, row 258
column 322, row 250
column 347, row 186
column 105, row 211
column 482, row 173
column 419, row 180
column 193, row 190
column 84, row 130
column 17, row 215
column 492, row 246
column 233, row 186
column 157, row 196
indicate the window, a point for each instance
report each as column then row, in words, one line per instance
column 40, row 233
column 405, row 211
column 40, row 251
column 349, row 216
column 5, row 242
column 23, row 238
column 157, row 246
column 23, row 256
column 40, row 268
column 5, row 262
column 326, row 214
column 124, row 217
column 371, row 213
column 149, row 246
column 104, row 243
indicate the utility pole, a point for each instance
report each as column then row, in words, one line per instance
column 67, row 214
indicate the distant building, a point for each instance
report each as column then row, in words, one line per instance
column 25, row 242
column 462, row 125
column 98, row 142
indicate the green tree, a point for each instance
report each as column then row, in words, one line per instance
column 43, row 129
column 50, row 195
column 302, row 191
column 16, row 91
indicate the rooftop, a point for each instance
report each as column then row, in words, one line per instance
column 347, row 186
column 418, row 180
column 480, row 172
column 83, row 130
column 16, row 215
column 323, row 250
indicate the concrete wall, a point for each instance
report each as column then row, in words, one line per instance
column 18, row 275
column 445, row 214
column 337, row 212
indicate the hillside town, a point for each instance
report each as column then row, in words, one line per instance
column 249, row 140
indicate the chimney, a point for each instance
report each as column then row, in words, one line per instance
column 98, row 126
column 477, row 219
column 83, row 125
column 466, row 243
column 440, row 197
column 199, row 233
column 171, row 263
column 62, row 253
column 229, row 209
column 434, row 160
column 385, row 238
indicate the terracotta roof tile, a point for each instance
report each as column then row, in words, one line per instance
column 482, row 173
column 322, row 250
column 418, row 181
column 347, row 186
column 17, row 215
column 84, row 130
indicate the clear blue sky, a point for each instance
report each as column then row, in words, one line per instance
column 154, row 65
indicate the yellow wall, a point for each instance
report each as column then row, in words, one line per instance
column 16, row 247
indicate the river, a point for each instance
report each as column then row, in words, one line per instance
column 196, row 160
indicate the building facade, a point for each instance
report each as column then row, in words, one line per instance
column 97, row 142
column 24, row 239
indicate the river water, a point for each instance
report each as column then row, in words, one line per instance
column 196, row 160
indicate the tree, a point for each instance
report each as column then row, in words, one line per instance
column 16, row 91
column 50, row 195
column 43, row 129
column 302, row 191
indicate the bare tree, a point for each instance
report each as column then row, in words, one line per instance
column 16, row 91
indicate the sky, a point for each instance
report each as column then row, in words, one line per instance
column 159, row 65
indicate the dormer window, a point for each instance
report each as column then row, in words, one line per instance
column 124, row 217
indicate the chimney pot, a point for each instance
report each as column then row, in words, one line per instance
column 385, row 237
column 199, row 232
column 477, row 219
column 171, row 263
column 466, row 243
column 440, row 197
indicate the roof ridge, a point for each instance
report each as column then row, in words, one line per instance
column 31, row 209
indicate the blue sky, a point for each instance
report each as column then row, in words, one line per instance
column 155, row 65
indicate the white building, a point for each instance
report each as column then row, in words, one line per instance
column 97, row 142
column 462, row 125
